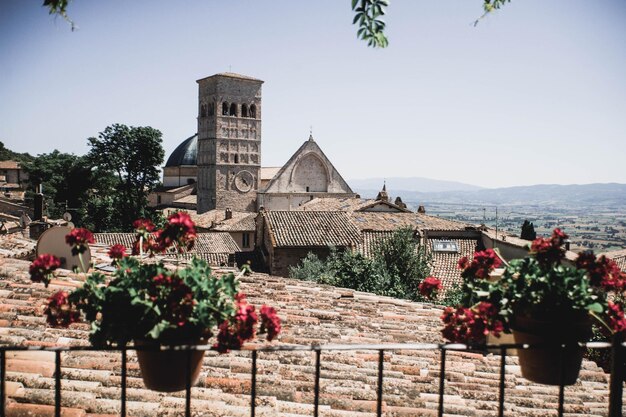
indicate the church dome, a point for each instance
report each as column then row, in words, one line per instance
column 185, row 154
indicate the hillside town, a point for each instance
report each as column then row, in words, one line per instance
column 260, row 223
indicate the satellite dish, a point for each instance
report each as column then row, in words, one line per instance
column 52, row 241
column 67, row 216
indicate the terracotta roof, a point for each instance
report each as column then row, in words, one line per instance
column 212, row 218
column 237, row 224
column 311, row 229
column 445, row 264
column 371, row 239
column 212, row 242
column 333, row 204
column 311, row 314
column 188, row 199
column 9, row 165
column 16, row 245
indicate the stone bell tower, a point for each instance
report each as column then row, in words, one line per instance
column 229, row 142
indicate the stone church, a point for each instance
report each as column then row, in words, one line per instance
column 223, row 160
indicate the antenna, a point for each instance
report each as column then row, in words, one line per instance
column 52, row 241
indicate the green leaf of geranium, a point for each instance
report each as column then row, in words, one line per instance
column 596, row 308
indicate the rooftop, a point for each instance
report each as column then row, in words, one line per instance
column 311, row 314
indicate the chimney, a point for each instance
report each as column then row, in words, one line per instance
column 228, row 214
column 567, row 243
column 38, row 200
column 421, row 209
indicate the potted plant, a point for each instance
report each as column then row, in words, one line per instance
column 542, row 300
column 151, row 305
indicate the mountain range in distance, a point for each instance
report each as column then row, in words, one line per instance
column 423, row 190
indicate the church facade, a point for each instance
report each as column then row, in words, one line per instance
column 224, row 158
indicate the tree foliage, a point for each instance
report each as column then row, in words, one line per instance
column 367, row 14
column 132, row 156
column 396, row 268
column 7, row 154
column 528, row 231
column 66, row 181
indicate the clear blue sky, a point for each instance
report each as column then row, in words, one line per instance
column 536, row 93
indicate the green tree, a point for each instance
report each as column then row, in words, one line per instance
column 66, row 180
column 528, row 231
column 7, row 154
column 132, row 156
column 405, row 263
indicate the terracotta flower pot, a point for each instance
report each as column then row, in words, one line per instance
column 166, row 371
column 552, row 366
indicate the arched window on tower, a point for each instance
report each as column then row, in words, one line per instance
column 253, row 111
column 203, row 110
column 236, row 158
column 244, row 110
column 233, row 109
column 211, row 108
column 225, row 109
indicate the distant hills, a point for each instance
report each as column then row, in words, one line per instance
column 611, row 194
column 419, row 184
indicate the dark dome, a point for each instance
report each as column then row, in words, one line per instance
column 185, row 154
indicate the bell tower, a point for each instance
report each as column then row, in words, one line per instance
column 229, row 142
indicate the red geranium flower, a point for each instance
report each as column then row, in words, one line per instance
column 270, row 322
column 617, row 321
column 481, row 266
column 143, row 226
column 549, row 251
column 78, row 239
column 117, row 252
column 602, row 271
column 59, row 311
column 179, row 229
column 232, row 334
column 41, row 269
column 471, row 325
column 429, row 287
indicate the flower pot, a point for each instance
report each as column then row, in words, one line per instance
column 167, row 371
column 554, row 365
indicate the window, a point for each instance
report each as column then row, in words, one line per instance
column 236, row 159
column 445, row 246
column 211, row 109
column 158, row 199
column 253, row 111
column 307, row 189
column 233, row 109
column 244, row 110
column 225, row 109
column 203, row 110
column 245, row 240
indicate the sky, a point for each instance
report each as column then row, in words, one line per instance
column 534, row 94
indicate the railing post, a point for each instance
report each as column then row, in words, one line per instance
column 188, row 384
column 617, row 377
column 316, row 388
column 57, row 383
column 502, row 382
column 253, row 386
column 379, row 396
column 3, row 368
column 124, row 360
column 442, row 375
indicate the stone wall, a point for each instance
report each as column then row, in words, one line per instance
column 283, row 258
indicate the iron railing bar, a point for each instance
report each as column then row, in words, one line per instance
column 442, row 373
column 57, row 383
column 253, row 385
column 188, row 385
column 379, row 393
column 290, row 348
column 3, row 364
column 562, row 380
column 123, row 408
column 616, row 387
column 502, row 373
column 316, row 388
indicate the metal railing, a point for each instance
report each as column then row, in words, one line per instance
column 615, row 385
